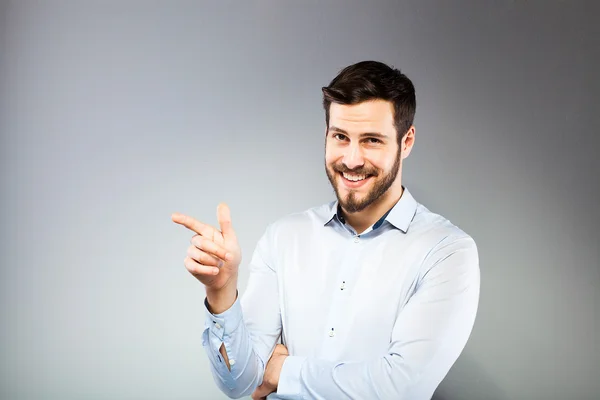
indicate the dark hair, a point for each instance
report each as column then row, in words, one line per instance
column 370, row 80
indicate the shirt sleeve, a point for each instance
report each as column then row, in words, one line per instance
column 249, row 329
column 429, row 334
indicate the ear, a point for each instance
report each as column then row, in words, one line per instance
column 408, row 141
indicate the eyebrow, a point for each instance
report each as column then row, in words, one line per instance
column 364, row 134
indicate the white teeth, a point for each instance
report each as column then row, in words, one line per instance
column 353, row 178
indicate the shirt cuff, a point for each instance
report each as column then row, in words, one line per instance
column 289, row 378
column 226, row 323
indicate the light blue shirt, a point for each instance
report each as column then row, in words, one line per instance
column 380, row 315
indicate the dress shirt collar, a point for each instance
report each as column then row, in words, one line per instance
column 400, row 215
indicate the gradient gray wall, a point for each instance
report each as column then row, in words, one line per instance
column 114, row 114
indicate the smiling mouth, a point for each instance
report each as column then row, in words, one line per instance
column 354, row 180
column 354, row 177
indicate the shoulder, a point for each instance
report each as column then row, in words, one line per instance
column 440, row 235
column 448, row 254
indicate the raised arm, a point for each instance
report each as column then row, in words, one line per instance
column 239, row 335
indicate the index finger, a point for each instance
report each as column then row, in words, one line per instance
column 193, row 224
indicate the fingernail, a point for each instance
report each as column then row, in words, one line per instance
column 229, row 256
column 215, row 271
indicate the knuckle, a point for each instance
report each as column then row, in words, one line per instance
column 215, row 262
column 192, row 267
column 204, row 258
column 191, row 251
column 213, row 248
column 197, row 241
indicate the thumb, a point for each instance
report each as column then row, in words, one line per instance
column 224, row 218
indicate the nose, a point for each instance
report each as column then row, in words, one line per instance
column 353, row 157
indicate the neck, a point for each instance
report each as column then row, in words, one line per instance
column 361, row 220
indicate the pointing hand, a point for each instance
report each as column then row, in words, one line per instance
column 214, row 255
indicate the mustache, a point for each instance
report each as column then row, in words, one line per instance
column 341, row 168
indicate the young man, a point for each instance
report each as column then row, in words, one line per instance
column 373, row 295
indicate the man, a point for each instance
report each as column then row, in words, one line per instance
column 373, row 296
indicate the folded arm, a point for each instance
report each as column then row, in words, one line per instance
column 429, row 334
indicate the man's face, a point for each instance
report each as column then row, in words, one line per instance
column 362, row 155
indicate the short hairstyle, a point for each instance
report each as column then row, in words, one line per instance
column 372, row 80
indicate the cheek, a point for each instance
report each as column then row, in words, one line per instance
column 332, row 155
column 380, row 163
column 329, row 161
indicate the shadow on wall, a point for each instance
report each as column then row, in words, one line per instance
column 468, row 380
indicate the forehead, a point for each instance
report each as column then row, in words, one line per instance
column 368, row 116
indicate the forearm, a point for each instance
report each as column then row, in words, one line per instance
column 225, row 356
column 314, row 378
column 238, row 343
column 219, row 301
column 386, row 377
column 235, row 364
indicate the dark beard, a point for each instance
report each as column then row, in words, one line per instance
column 351, row 204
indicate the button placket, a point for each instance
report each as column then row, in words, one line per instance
column 339, row 311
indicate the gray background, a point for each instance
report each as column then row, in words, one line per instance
column 114, row 114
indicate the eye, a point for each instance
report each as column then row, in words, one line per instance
column 339, row 136
column 374, row 141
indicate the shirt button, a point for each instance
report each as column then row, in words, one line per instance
column 232, row 362
column 356, row 239
column 331, row 333
column 218, row 326
column 343, row 285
